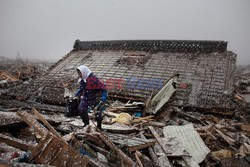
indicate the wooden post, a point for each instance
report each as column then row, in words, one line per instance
column 160, row 142
column 124, row 158
column 152, row 153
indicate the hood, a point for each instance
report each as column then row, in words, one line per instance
column 85, row 71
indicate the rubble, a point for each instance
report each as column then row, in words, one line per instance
column 141, row 140
column 136, row 131
column 19, row 69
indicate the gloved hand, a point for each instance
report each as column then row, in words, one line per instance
column 77, row 93
column 104, row 96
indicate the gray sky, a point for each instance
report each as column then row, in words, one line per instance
column 47, row 29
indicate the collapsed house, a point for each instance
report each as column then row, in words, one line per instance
column 138, row 68
column 138, row 73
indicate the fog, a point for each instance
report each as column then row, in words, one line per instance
column 47, row 29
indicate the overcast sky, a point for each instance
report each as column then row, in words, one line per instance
column 47, row 29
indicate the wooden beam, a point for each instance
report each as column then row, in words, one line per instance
column 52, row 151
column 190, row 116
column 123, row 157
column 147, row 102
column 41, row 118
column 142, row 118
column 90, row 137
column 132, row 143
column 138, row 147
column 32, row 122
column 152, row 153
column 229, row 140
column 160, row 142
column 15, row 143
column 99, row 149
column 138, row 159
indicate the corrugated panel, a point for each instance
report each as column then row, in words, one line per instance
column 190, row 139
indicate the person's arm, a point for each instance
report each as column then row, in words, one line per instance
column 104, row 93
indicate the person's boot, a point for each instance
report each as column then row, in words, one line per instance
column 98, row 117
column 99, row 125
column 86, row 122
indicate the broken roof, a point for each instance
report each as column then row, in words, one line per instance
column 206, row 70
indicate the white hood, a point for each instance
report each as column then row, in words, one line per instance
column 85, row 72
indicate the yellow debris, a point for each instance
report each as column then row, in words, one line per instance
column 123, row 118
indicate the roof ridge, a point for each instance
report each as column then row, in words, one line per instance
column 187, row 46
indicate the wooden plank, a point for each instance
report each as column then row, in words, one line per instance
column 32, row 122
column 229, row 140
column 99, row 149
column 91, row 137
column 119, row 129
column 146, row 161
column 245, row 128
column 138, row 159
column 29, row 104
column 138, row 147
column 152, row 153
column 41, row 118
column 40, row 146
column 159, row 140
column 9, row 119
column 52, row 151
column 142, row 118
column 8, row 76
column 123, row 157
column 207, row 129
column 147, row 102
column 132, row 143
column 190, row 116
column 15, row 143
column 156, row 124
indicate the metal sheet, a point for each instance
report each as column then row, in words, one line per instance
column 190, row 139
column 162, row 96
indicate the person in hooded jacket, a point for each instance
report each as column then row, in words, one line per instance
column 91, row 90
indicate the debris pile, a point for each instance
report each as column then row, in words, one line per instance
column 131, row 59
column 154, row 131
column 129, row 136
column 15, row 71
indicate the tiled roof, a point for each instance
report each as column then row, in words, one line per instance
column 209, row 76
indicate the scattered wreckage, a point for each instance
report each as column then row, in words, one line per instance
column 184, row 138
column 151, row 131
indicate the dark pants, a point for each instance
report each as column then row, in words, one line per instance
column 83, row 110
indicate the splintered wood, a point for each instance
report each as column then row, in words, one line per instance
column 45, row 122
column 15, row 142
column 32, row 122
column 7, row 76
column 159, row 140
column 53, row 151
column 132, row 143
column 127, row 161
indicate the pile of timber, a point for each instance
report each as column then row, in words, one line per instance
column 184, row 137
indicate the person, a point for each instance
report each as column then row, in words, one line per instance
column 90, row 91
